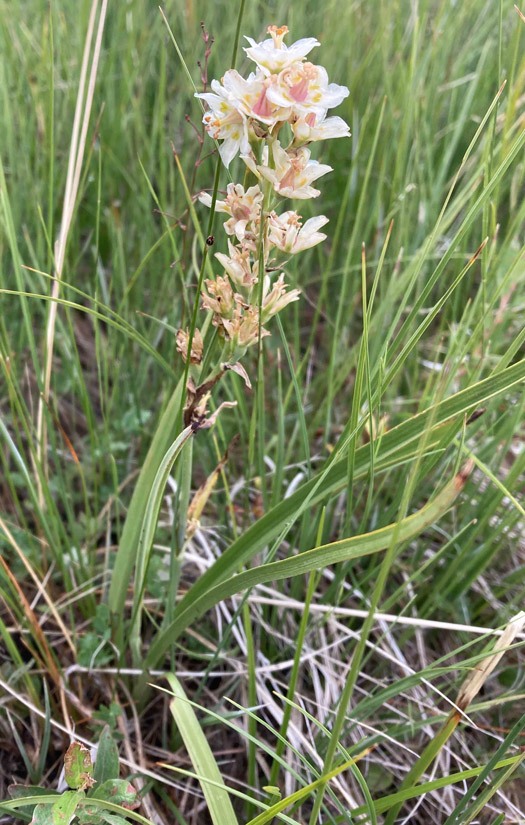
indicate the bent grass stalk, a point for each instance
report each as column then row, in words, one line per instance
column 469, row 690
column 294, row 675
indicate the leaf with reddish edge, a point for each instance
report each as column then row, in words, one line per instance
column 118, row 791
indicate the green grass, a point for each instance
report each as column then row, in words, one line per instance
column 291, row 692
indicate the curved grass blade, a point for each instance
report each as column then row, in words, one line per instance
column 302, row 793
column 384, row 803
column 116, row 321
column 129, row 541
column 398, row 445
column 147, row 532
column 344, row 550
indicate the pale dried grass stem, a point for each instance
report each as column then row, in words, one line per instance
column 76, row 156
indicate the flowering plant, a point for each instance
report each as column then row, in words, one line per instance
column 270, row 119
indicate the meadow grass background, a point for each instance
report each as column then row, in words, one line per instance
column 401, row 360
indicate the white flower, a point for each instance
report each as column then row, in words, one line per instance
column 219, row 297
column 273, row 55
column 310, row 128
column 243, row 206
column 306, row 89
column 276, row 298
column 224, row 121
column 288, row 234
column 248, row 116
column 243, row 329
column 238, row 265
column 197, row 345
column 293, row 172
column 250, row 96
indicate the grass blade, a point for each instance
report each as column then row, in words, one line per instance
column 201, row 755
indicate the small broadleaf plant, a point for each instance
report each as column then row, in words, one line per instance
column 90, row 786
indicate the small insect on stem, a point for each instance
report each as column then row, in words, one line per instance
column 475, row 415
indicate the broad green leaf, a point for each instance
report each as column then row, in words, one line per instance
column 24, row 791
column 147, row 530
column 217, row 798
column 89, row 815
column 106, row 761
column 131, row 533
column 43, row 815
column 112, row 819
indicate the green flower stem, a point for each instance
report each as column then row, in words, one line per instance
column 257, row 427
column 169, row 425
column 294, row 675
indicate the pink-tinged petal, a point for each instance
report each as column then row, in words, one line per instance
column 286, row 232
column 262, row 107
column 299, row 92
